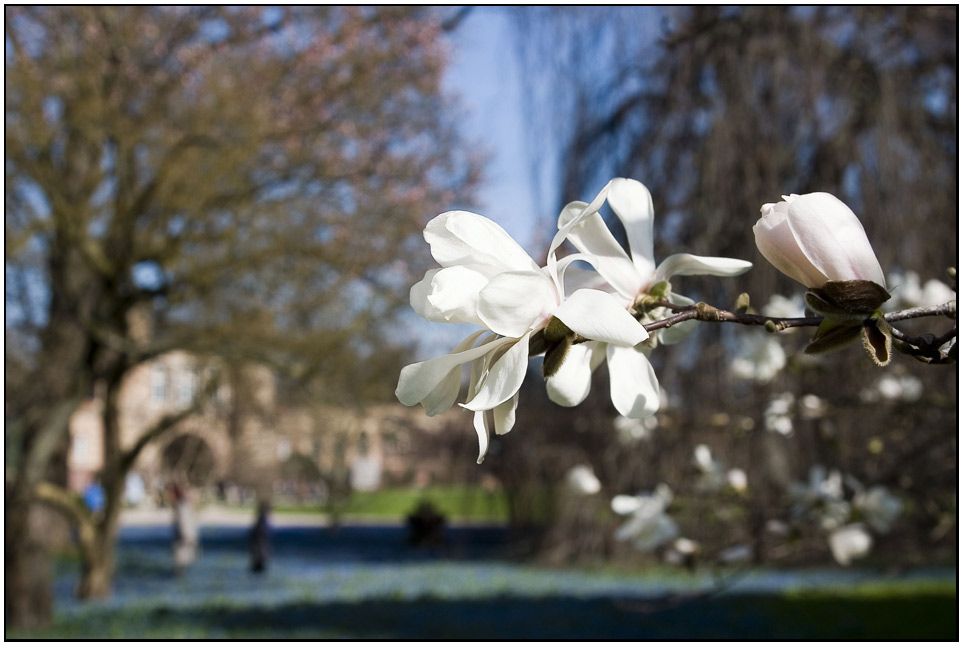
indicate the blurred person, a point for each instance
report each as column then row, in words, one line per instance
column 186, row 535
column 259, row 539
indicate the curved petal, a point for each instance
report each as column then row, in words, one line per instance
column 686, row 264
column 464, row 238
column 504, row 415
column 632, row 382
column 504, row 378
column 570, row 385
column 591, row 236
column 449, row 295
column 443, row 396
column 832, row 238
column 777, row 244
column 632, row 203
column 583, row 210
column 480, row 422
column 513, row 301
column 600, row 316
column 418, row 380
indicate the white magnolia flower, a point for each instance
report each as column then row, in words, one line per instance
column 635, row 430
column 889, row 387
column 785, row 308
column 850, row 542
column 816, row 238
column 759, row 358
column 907, row 291
column 581, row 479
column 712, row 473
column 486, row 278
column 822, row 498
column 879, row 507
column 648, row 526
column 634, row 386
column 740, row 553
column 737, row 479
column 811, row 407
column 778, row 414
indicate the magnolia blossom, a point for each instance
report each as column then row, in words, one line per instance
column 850, row 542
column 634, row 386
column 822, row 497
column 487, row 279
column 759, row 358
column 581, row 479
column 648, row 526
column 778, row 414
column 908, row 292
column 904, row 388
column 816, row 238
column 879, row 507
column 712, row 473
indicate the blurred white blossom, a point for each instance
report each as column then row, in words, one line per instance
column 737, row 479
column 822, row 498
column 759, row 358
column 712, row 473
column 648, row 526
column 740, row 553
column 907, row 291
column 634, row 430
column 879, row 507
column 811, row 407
column 785, row 308
column 849, row 542
column 581, row 479
column 778, row 414
column 891, row 387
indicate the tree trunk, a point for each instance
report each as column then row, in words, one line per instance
column 97, row 571
column 28, row 582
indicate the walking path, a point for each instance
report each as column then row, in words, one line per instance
column 219, row 516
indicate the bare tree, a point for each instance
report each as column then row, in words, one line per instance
column 253, row 178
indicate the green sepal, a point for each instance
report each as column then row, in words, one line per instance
column 554, row 357
column 853, row 300
column 537, row 344
column 878, row 340
column 556, row 331
column 832, row 336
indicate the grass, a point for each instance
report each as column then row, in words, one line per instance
column 460, row 503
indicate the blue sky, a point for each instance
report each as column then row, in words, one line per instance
column 484, row 73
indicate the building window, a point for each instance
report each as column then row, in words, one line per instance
column 158, row 383
column 80, row 448
column 186, row 386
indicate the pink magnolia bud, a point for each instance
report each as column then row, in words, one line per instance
column 815, row 238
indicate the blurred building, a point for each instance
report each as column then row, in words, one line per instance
column 242, row 437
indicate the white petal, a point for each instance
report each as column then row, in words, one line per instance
column 443, row 396
column 592, row 236
column 569, row 221
column 632, row 203
column 833, row 239
column 512, row 302
column 632, row 382
column 571, row 384
column 504, row 415
column 850, row 542
column 685, row 264
column 449, row 295
column 418, row 380
column 461, row 237
column 599, row 316
column 776, row 243
column 504, row 378
column 480, row 423
column 623, row 504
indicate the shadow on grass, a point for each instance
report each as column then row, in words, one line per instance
column 743, row 616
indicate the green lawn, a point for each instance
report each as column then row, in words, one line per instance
column 460, row 503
